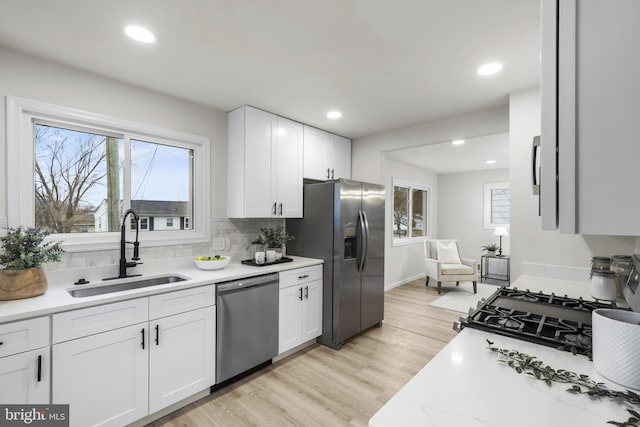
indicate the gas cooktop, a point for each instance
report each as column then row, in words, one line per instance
column 547, row 319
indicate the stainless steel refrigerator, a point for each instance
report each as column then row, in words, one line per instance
column 344, row 225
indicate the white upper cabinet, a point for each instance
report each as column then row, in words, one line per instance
column 590, row 110
column 326, row 156
column 265, row 160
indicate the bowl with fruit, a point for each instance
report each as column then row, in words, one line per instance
column 215, row 262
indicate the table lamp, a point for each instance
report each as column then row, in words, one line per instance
column 501, row 231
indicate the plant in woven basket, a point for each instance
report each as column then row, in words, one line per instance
column 23, row 253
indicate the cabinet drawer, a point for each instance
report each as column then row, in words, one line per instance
column 300, row 275
column 93, row 320
column 181, row 301
column 24, row 335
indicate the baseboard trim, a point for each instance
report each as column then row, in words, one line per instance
column 561, row 272
column 403, row 282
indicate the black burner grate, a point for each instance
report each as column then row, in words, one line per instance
column 547, row 319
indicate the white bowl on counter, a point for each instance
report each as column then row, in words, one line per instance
column 215, row 262
column 616, row 340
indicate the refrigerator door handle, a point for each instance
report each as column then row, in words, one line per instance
column 365, row 242
column 359, row 238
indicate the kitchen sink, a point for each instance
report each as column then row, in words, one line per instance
column 81, row 291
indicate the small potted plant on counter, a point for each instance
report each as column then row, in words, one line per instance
column 23, row 253
column 490, row 249
column 274, row 239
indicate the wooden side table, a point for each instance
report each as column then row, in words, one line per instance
column 485, row 273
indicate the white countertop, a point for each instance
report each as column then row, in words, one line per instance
column 57, row 299
column 465, row 385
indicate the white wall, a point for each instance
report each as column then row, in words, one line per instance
column 461, row 207
column 532, row 250
column 404, row 263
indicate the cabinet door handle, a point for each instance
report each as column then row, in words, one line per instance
column 274, row 208
column 306, row 292
column 39, row 368
column 157, row 334
column 142, row 332
column 300, row 296
column 304, row 276
column 332, row 177
column 328, row 173
column 280, row 209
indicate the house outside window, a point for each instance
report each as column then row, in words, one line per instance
column 411, row 205
column 87, row 169
column 169, row 222
column 497, row 205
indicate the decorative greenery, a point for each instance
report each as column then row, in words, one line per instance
column 489, row 248
column 273, row 237
column 580, row 383
column 24, row 247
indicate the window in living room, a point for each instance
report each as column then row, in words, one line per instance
column 410, row 211
column 497, row 204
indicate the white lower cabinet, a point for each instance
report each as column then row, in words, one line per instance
column 300, row 312
column 24, row 362
column 116, row 377
column 24, row 377
column 181, row 356
column 103, row 377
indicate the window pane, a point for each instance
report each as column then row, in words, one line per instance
column 419, row 213
column 500, row 206
column 161, row 184
column 400, row 212
column 78, row 179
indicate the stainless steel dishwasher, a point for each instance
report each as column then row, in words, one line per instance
column 246, row 324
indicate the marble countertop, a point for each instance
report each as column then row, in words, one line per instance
column 57, row 299
column 465, row 385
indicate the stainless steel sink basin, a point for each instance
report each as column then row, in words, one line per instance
column 81, row 291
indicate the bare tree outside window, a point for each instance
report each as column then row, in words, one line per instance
column 400, row 212
column 70, row 177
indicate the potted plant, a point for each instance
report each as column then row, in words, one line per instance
column 490, row 249
column 274, row 239
column 23, row 253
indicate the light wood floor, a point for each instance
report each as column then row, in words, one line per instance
column 323, row 387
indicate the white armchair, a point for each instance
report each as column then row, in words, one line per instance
column 443, row 263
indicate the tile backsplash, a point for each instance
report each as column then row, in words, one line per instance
column 229, row 236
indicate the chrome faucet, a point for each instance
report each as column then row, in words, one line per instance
column 124, row 264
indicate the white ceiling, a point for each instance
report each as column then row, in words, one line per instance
column 448, row 158
column 384, row 64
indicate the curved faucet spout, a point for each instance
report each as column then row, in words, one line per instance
column 122, row 270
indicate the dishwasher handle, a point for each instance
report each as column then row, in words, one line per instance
column 234, row 285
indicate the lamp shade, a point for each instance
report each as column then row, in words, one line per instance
column 501, row 231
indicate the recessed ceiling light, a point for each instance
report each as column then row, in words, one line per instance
column 488, row 69
column 139, row 33
column 490, row 162
column 334, row 114
column 458, row 142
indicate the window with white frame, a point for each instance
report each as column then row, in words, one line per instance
column 411, row 204
column 88, row 169
column 497, row 204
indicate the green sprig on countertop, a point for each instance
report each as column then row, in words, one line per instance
column 580, row 383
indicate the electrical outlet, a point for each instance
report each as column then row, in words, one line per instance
column 218, row 244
